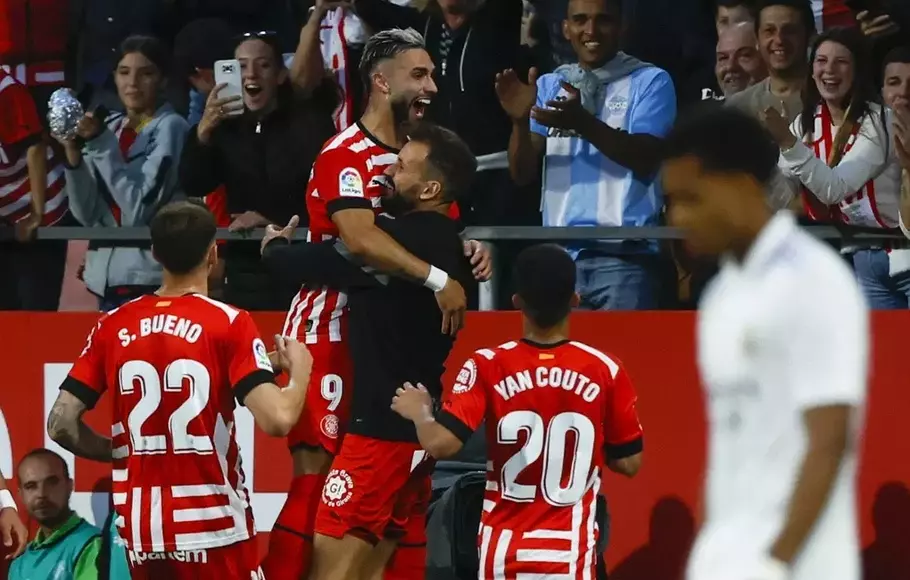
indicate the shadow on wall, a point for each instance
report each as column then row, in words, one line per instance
column 672, row 531
column 888, row 556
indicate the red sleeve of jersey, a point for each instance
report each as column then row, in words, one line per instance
column 465, row 404
column 341, row 179
column 18, row 115
column 248, row 359
column 622, row 429
column 217, row 204
column 87, row 379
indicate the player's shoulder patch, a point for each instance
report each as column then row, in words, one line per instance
column 350, row 183
column 261, row 355
column 466, row 378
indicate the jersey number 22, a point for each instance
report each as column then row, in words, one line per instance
column 177, row 374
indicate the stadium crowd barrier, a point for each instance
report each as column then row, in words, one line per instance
column 655, row 515
column 491, row 235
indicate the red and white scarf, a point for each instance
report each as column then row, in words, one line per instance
column 333, row 42
column 857, row 209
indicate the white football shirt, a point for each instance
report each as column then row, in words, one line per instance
column 784, row 331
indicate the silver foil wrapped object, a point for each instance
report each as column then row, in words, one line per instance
column 64, row 113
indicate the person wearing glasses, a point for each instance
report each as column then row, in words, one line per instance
column 260, row 147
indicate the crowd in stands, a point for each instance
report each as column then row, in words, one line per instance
column 563, row 102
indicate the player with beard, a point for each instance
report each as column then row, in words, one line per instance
column 378, row 489
column 343, row 194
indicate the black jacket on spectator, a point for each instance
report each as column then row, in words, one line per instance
column 264, row 164
column 484, row 46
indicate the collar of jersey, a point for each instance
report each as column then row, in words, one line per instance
column 543, row 346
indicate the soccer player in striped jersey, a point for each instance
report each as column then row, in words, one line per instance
column 558, row 411
column 176, row 360
column 343, row 197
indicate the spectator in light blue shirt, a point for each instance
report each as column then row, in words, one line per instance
column 598, row 126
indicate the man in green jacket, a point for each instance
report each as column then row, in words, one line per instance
column 66, row 546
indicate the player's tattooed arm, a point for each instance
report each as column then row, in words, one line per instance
column 66, row 427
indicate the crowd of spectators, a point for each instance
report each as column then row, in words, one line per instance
column 563, row 102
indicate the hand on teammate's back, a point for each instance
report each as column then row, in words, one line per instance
column 453, row 303
column 413, row 403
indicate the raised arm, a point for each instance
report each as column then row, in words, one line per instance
column 308, row 67
column 865, row 161
column 526, row 144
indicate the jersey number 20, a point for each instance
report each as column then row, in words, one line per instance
column 176, row 375
column 550, row 442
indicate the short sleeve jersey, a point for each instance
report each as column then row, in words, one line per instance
column 554, row 415
column 175, row 366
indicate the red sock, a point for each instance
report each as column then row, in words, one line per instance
column 291, row 539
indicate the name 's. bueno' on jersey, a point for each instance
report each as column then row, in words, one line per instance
column 163, row 324
column 543, row 377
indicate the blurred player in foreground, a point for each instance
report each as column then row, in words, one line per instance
column 342, row 200
column 378, row 489
column 176, row 360
column 783, row 340
column 12, row 530
column 562, row 411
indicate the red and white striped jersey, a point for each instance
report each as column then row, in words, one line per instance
column 175, row 366
column 554, row 414
column 347, row 173
column 21, row 127
column 831, row 13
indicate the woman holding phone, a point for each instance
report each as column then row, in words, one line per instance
column 837, row 159
column 122, row 168
column 260, row 143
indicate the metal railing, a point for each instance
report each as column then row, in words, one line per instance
column 491, row 235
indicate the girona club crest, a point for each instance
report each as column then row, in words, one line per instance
column 339, row 487
column 329, row 426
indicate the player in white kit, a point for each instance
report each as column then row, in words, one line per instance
column 783, row 340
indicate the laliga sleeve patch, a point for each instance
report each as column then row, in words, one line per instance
column 466, row 377
column 350, row 184
column 262, row 356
